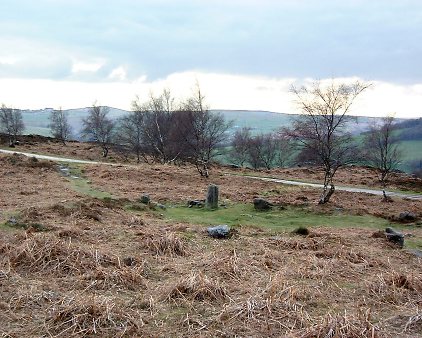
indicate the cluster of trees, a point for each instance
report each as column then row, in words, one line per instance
column 159, row 130
column 260, row 151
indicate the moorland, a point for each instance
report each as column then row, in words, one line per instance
column 81, row 255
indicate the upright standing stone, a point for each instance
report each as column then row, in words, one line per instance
column 212, row 197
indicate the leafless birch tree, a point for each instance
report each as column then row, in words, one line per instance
column 382, row 149
column 321, row 127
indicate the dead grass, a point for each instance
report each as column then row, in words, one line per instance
column 24, row 186
column 196, row 287
column 345, row 325
column 167, row 244
column 299, row 243
column 47, row 253
column 130, row 278
column 136, row 274
column 398, row 288
column 87, row 316
column 274, row 308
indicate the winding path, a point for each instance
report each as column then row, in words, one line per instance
column 340, row 188
column 51, row 158
column 275, row 180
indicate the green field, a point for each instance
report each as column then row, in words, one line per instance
column 411, row 151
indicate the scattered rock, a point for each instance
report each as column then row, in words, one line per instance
column 407, row 216
column 145, row 199
column 196, row 203
column 12, row 221
column 395, row 237
column 261, row 204
column 161, row 206
column 219, row 231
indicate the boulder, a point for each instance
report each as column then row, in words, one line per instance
column 394, row 237
column 407, row 216
column 145, row 199
column 262, row 204
column 219, row 231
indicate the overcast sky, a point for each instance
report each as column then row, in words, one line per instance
column 245, row 54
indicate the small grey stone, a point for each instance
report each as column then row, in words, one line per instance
column 196, row 203
column 161, row 206
column 12, row 221
column 219, row 231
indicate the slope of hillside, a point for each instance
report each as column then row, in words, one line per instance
column 74, row 263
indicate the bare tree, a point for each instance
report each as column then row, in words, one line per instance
column 285, row 150
column 158, row 125
column 130, row 133
column 254, row 151
column 201, row 131
column 262, row 151
column 59, row 125
column 240, row 145
column 11, row 123
column 97, row 127
column 320, row 128
column 382, row 149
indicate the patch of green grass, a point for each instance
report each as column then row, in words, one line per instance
column 16, row 225
column 413, row 243
column 279, row 220
column 82, row 185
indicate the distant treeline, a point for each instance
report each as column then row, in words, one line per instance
column 410, row 130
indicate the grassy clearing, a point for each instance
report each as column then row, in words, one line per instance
column 280, row 220
column 286, row 220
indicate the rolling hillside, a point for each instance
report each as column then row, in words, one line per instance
column 36, row 121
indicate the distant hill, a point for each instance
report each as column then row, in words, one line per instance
column 410, row 131
column 36, row 121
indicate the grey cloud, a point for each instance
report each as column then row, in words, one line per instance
column 376, row 39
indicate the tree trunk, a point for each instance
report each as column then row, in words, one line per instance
column 105, row 152
column 202, row 168
column 326, row 194
column 11, row 142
